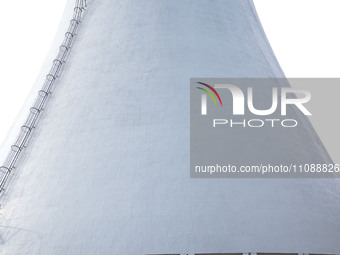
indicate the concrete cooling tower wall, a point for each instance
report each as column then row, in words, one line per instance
column 106, row 169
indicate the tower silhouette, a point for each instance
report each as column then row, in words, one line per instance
column 104, row 169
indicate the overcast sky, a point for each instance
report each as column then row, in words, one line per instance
column 303, row 33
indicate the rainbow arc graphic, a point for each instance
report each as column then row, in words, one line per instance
column 209, row 93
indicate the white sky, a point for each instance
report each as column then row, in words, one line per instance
column 303, row 33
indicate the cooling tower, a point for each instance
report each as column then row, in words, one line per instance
column 105, row 167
